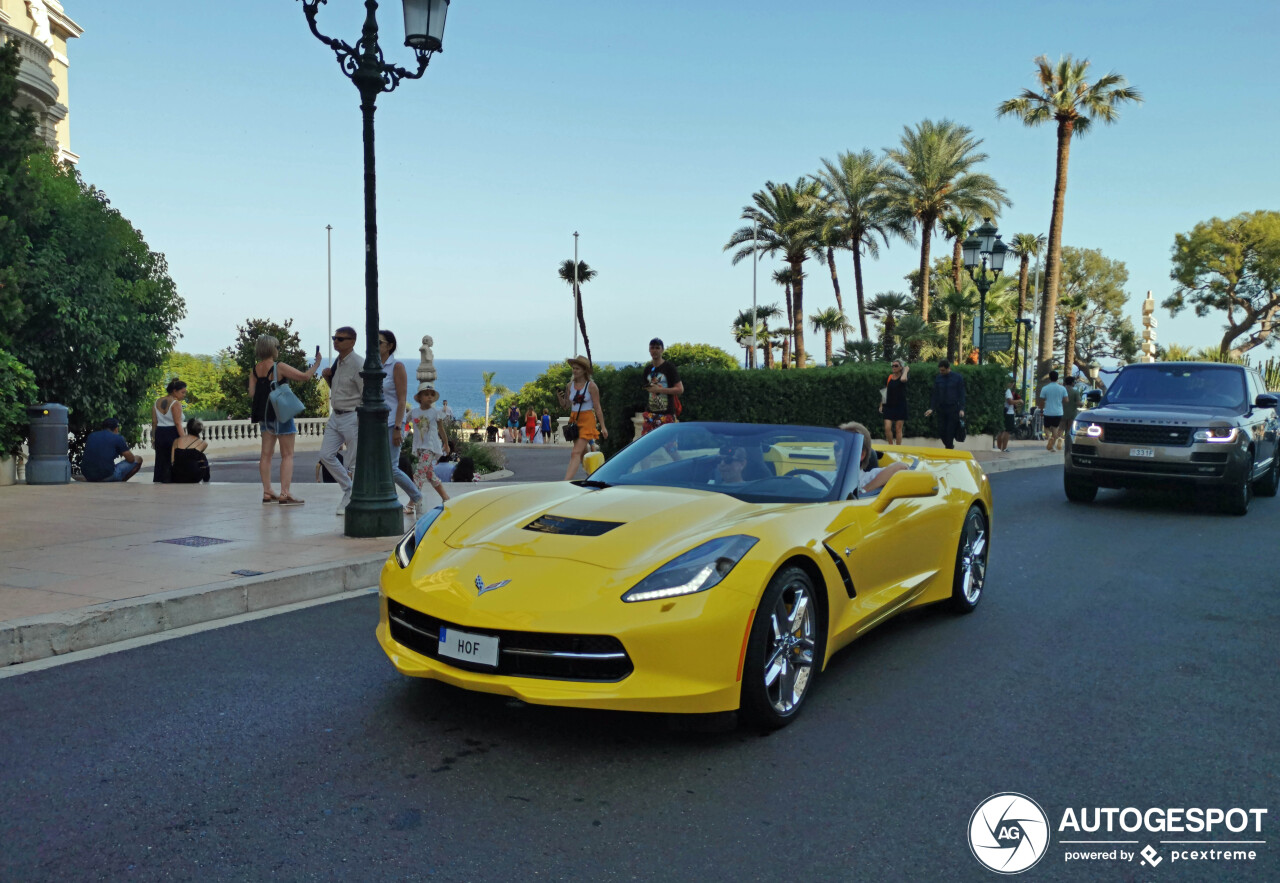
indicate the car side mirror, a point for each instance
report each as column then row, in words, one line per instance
column 903, row 485
column 1094, row 395
column 1266, row 400
column 593, row 461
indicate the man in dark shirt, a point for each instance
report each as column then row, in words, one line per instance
column 662, row 382
column 947, row 399
column 100, row 452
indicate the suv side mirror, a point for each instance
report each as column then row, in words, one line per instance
column 1266, row 400
column 1094, row 395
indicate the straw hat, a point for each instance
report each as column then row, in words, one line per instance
column 425, row 387
column 581, row 363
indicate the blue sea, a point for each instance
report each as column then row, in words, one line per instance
column 460, row 380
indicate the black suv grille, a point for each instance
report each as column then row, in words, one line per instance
column 520, row 654
column 1134, row 434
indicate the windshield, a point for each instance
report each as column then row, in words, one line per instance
column 758, row 464
column 1205, row 386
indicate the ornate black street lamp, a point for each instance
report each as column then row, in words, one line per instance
column 374, row 510
column 982, row 247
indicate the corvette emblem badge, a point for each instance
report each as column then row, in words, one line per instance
column 481, row 588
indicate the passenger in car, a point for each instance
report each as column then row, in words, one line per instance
column 871, row 475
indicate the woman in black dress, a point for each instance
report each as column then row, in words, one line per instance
column 894, row 406
column 190, row 465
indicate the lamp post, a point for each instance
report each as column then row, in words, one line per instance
column 374, row 510
column 982, row 247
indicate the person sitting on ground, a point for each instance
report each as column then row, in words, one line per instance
column 100, row 452
column 871, row 476
column 190, row 466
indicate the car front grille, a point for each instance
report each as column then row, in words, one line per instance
column 520, row 654
column 1135, row 434
column 1151, row 467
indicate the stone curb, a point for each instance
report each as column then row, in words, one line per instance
column 53, row 634
column 1013, row 461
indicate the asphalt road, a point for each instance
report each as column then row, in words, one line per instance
column 1125, row 655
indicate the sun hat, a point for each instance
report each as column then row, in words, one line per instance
column 580, row 362
column 425, row 387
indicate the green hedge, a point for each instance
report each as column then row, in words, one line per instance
column 814, row 397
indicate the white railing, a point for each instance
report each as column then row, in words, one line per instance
column 242, row 430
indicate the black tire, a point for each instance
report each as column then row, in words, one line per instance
column 1079, row 490
column 1269, row 483
column 1236, row 499
column 971, row 561
column 784, row 652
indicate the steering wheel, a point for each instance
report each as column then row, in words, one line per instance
column 818, row 475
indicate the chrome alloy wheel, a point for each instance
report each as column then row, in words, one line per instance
column 973, row 557
column 789, row 665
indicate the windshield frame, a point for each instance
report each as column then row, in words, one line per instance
column 618, row 471
column 1110, row 397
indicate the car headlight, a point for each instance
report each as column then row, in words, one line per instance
column 1084, row 427
column 1218, row 434
column 409, row 542
column 695, row 571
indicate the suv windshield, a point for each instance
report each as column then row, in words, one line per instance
column 758, row 464
column 1206, row 386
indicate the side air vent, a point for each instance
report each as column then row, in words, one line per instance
column 574, row 527
column 844, row 571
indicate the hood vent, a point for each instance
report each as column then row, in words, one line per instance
column 574, row 527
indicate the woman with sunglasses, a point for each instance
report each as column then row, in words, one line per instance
column 894, row 406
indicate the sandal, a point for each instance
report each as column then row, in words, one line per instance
column 268, row 497
column 290, row 500
column 411, row 510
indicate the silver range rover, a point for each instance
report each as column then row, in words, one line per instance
column 1200, row 423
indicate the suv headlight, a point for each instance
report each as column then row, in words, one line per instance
column 695, row 571
column 1085, row 428
column 1217, row 434
column 409, row 542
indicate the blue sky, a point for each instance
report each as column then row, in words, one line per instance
column 227, row 133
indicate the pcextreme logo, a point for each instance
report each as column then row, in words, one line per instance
column 1008, row 832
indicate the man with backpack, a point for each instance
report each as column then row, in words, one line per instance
column 662, row 382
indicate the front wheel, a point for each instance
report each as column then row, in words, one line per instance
column 1079, row 490
column 1236, row 499
column 784, row 651
column 971, row 561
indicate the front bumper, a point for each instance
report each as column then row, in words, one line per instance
column 1114, row 465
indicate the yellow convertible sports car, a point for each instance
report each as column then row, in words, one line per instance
column 708, row 567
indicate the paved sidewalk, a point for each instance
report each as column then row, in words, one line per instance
column 84, row 565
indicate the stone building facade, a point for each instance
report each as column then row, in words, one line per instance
column 41, row 28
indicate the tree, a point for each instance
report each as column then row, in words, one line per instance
column 785, row 219
column 1231, row 266
column 20, row 202
column 888, row 305
column 203, row 376
column 957, row 226
column 584, row 274
column 855, row 351
column 700, row 355
column 1067, row 97
column 915, row 333
column 766, row 313
column 745, row 333
column 238, row 360
column 490, row 389
column 934, row 175
column 1092, row 324
column 856, row 206
column 829, row 321
column 959, row 304
column 785, row 277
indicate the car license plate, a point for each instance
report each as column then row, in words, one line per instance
column 480, row 649
column 1142, row 452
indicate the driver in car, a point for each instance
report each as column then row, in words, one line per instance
column 729, row 468
column 871, row 476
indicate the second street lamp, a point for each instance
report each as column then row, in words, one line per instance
column 374, row 510
column 982, row 247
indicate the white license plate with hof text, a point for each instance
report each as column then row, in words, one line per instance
column 479, row 649
column 1142, row 452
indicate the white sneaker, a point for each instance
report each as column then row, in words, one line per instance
column 340, row 511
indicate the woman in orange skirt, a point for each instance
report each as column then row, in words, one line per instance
column 584, row 412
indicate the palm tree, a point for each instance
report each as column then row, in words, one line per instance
column 490, row 389
column 887, row 305
column 787, row 222
column 829, row 239
column 956, row 226
column 765, row 313
column 785, row 277
column 1176, row 352
column 857, row 207
column 829, row 321
column 959, row 304
column 1067, row 97
column 934, row 175
column 743, row 331
column 914, row 333
column 857, row 351
column 585, row 274
column 1071, row 304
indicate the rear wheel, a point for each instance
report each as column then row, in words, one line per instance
column 1269, row 483
column 784, row 651
column 1079, row 490
column 971, row 561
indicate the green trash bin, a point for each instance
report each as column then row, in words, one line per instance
column 47, row 445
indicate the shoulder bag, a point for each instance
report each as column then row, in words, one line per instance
column 283, row 400
column 571, row 429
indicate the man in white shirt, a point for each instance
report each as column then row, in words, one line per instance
column 346, row 387
column 1050, row 401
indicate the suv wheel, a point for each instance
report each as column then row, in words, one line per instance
column 1238, row 498
column 1079, row 490
column 1269, row 483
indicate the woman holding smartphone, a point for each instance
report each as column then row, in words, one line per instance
column 266, row 349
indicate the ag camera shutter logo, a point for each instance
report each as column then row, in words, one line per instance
column 1008, row 833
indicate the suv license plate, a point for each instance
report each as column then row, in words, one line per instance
column 1142, row 452
column 479, row 649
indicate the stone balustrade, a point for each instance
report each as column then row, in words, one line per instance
column 242, row 430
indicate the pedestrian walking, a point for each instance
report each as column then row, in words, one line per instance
column 513, row 424
column 395, row 389
column 546, row 426
column 1012, row 401
column 100, row 451
column 1051, row 399
column 166, row 427
column 586, row 418
column 894, row 406
column 266, row 349
column 346, row 387
column 662, row 383
column 947, row 400
column 531, row 425
column 430, row 442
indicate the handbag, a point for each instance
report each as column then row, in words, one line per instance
column 571, row 429
column 283, row 400
column 961, row 432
